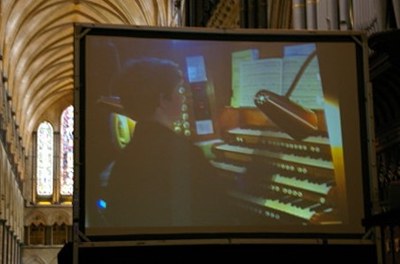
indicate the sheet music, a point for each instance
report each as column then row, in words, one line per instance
column 251, row 75
column 291, row 66
column 308, row 91
column 237, row 58
column 257, row 75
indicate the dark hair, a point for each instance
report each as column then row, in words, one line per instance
column 142, row 82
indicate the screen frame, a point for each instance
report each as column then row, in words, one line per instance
column 366, row 121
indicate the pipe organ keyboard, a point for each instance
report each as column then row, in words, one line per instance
column 277, row 177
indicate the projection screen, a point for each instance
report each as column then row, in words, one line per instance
column 271, row 137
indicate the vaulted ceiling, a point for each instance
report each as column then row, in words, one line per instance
column 36, row 43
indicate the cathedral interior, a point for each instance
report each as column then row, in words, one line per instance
column 37, row 97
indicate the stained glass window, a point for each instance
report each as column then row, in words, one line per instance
column 44, row 176
column 67, row 154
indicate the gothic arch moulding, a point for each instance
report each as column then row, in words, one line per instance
column 36, row 217
column 60, row 216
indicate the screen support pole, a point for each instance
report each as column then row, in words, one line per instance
column 78, row 236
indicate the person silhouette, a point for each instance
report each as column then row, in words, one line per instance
column 160, row 178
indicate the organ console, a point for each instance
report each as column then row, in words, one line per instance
column 277, row 177
column 281, row 155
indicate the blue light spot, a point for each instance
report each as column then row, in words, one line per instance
column 101, row 204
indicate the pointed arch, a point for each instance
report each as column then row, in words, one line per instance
column 60, row 217
column 36, row 217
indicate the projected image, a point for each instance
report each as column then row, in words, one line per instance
column 289, row 150
column 214, row 134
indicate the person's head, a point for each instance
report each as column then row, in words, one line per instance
column 149, row 89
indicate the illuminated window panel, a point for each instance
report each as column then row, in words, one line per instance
column 67, row 154
column 44, row 162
